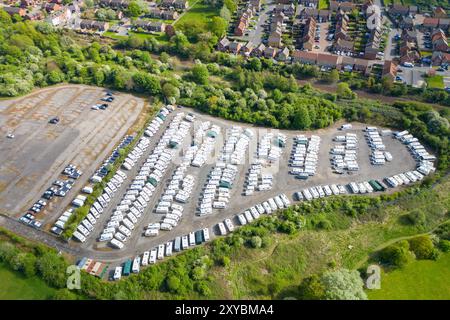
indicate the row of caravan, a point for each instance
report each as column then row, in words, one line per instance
column 159, row 252
column 86, row 226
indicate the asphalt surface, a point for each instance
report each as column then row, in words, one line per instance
column 283, row 183
column 39, row 152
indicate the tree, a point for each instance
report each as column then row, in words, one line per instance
column 301, row 117
column 396, row 254
column 145, row 83
column 225, row 13
column 416, row 217
column 343, row 91
column 311, row 288
column 332, row 76
column 218, row 26
column 343, row 284
column 200, row 74
column 230, row 4
column 173, row 284
column 134, row 9
column 170, row 91
column 256, row 242
column 423, row 247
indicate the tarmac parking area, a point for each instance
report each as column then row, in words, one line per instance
column 284, row 182
column 39, row 151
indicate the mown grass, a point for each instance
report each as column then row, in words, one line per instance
column 419, row 280
column 200, row 12
column 276, row 271
column 14, row 286
column 436, row 82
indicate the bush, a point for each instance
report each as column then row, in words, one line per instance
column 256, row 242
column 416, row 217
column 423, row 247
column 444, row 245
column 311, row 288
column 397, row 254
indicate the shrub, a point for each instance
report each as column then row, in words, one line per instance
column 416, row 217
column 444, row 245
column 256, row 242
column 396, row 254
column 423, row 247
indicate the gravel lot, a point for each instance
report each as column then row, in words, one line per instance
column 39, row 152
column 283, row 183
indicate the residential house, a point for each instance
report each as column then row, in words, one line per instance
column 93, row 25
column 328, row 60
column 114, row 4
column 60, row 17
column 240, row 29
column 406, row 46
column 15, row 10
column 27, row 3
column 309, row 3
column 334, row 5
column 223, row 44
column 309, row 33
column 259, row 50
column 283, row 55
column 235, row 47
column 440, row 58
column 439, row 41
column 347, row 6
column 247, row 49
column 343, row 45
column 151, row 26
column 389, row 70
column 406, row 22
column 34, row 16
column 409, row 35
column 411, row 56
column 439, row 12
column 270, row 53
column 52, row 7
column 275, row 39
column 398, row 10
column 373, row 44
column 307, row 13
column 324, row 15
column 304, row 57
column 177, row 4
column 341, row 27
column 444, row 24
column 413, row 10
column 287, row 9
column 430, row 23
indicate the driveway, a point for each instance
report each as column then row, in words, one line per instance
column 390, row 49
column 257, row 33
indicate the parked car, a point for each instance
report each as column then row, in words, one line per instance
column 54, row 120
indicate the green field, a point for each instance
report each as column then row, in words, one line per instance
column 435, row 82
column 16, row 287
column 276, row 271
column 199, row 12
column 323, row 4
column 421, row 279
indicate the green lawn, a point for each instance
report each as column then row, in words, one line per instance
column 421, row 279
column 16, row 287
column 323, row 4
column 199, row 12
column 436, row 81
